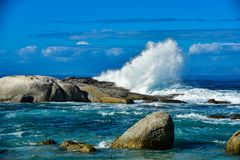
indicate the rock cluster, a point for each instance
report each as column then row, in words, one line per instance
column 45, row 89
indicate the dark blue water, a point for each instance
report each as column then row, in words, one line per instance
column 196, row 135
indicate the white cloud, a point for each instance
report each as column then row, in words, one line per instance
column 82, row 43
column 114, row 51
column 52, row 50
column 213, row 47
column 62, row 53
column 27, row 50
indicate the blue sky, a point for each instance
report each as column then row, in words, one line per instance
column 77, row 37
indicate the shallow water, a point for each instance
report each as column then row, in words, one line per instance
column 196, row 136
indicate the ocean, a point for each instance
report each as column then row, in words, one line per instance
column 196, row 136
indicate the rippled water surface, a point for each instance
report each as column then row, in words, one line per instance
column 196, row 136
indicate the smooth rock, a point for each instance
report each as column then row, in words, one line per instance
column 233, row 144
column 77, row 146
column 155, row 131
column 38, row 89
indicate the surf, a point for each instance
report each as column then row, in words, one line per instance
column 156, row 67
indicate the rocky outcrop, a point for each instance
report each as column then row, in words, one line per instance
column 44, row 89
column 38, row 89
column 233, row 144
column 155, row 131
column 47, row 142
column 77, row 146
column 108, row 92
column 223, row 116
column 217, row 102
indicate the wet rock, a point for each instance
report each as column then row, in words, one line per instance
column 217, row 116
column 77, row 146
column 47, row 142
column 233, row 144
column 235, row 116
column 171, row 101
column 217, row 102
column 4, row 151
column 222, row 116
column 155, row 131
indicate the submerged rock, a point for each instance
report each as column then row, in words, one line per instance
column 222, row 116
column 4, row 151
column 171, row 101
column 217, row 102
column 77, row 146
column 155, row 131
column 233, row 144
column 47, row 142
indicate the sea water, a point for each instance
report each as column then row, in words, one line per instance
column 196, row 136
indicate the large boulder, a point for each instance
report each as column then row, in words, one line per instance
column 233, row 144
column 77, row 146
column 38, row 89
column 155, row 131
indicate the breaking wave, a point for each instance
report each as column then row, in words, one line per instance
column 156, row 70
column 156, row 67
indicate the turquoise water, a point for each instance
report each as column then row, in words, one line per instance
column 196, row 136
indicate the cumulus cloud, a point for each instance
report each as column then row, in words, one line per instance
column 82, row 43
column 27, row 50
column 114, row 51
column 53, row 50
column 65, row 53
column 213, row 47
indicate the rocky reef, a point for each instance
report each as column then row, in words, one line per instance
column 46, row 89
column 213, row 101
column 224, row 116
column 77, row 146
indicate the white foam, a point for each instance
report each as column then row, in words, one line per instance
column 103, row 144
column 17, row 134
column 234, row 106
column 201, row 95
column 219, row 142
column 106, row 113
column 192, row 116
column 205, row 119
column 11, row 115
column 156, row 67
